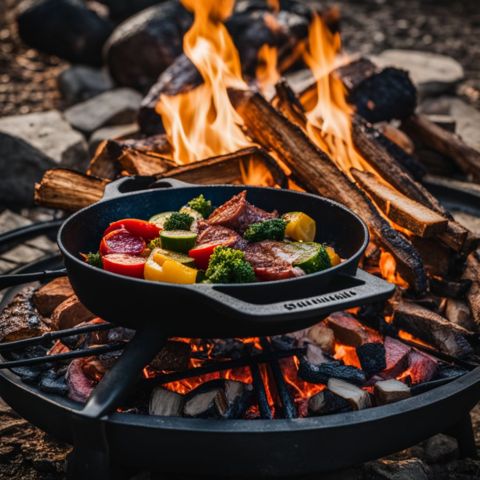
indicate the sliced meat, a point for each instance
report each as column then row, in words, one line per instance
column 49, row 296
column 271, row 260
column 231, row 212
column 254, row 214
column 220, row 235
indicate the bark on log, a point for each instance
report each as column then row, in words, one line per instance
column 135, row 162
column 445, row 142
column 401, row 209
column 68, row 190
column 317, row 172
column 472, row 273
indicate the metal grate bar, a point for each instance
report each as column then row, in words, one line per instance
column 259, row 388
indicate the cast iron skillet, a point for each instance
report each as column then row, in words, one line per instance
column 201, row 310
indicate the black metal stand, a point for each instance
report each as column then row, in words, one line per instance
column 463, row 433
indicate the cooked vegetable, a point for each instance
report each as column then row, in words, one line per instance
column 178, row 221
column 273, row 229
column 300, row 226
column 178, row 240
column 193, row 213
column 139, row 228
column 124, row 264
column 155, row 243
column 121, row 241
column 228, row 265
column 160, row 268
column 160, row 218
column 178, row 257
column 201, row 205
column 94, row 259
column 312, row 257
column 334, row 257
column 201, row 254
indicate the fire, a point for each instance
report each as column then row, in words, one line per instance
column 202, row 122
column 256, row 173
column 267, row 73
column 388, row 269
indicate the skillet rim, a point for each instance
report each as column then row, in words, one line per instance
column 199, row 286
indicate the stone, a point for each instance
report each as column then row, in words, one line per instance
column 11, row 221
column 432, row 73
column 66, row 28
column 22, row 254
column 410, row 469
column 50, row 134
column 121, row 9
column 110, row 133
column 80, row 82
column 43, row 243
column 6, row 266
column 440, row 449
column 116, row 107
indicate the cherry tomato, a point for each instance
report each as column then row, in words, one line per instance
column 121, row 241
column 201, row 254
column 140, row 228
column 124, row 264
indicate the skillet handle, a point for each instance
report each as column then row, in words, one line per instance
column 369, row 289
column 138, row 182
column 19, row 278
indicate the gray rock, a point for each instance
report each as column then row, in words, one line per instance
column 116, row 107
column 10, row 221
column 440, row 449
column 22, row 254
column 431, row 73
column 21, row 165
column 79, row 83
column 410, row 469
column 5, row 267
column 109, row 133
column 50, row 134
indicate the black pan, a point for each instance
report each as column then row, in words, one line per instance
column 201, row 310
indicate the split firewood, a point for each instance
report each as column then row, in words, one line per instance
column 399, row 208
column 358, row 398
column 327, row 402
column 69, row 313
column 396, row 357
column 49, row 296
column 437, row 258
column 315, row 355
column 445, row 142
column 421, row 367
column 139, row 163
column 173, row 356
column 458, row 312
column 322, row 336
column 449, row 288
column 432, row 328
column 165, row 403
column 68, row 190
column 389, row 391
column 19, row 319
column 472, row 273
column 104, row 163
column 317, row 173
column 349, row 331
column 200, row 402
column 323, row 372
column 402, row 140
column 234, row 399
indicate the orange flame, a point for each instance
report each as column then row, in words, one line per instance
column 388, row 269
column 267, row 73
column 202, row 122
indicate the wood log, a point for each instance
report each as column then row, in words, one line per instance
column 437, row 258
column 421, row 367
column 389, row 391
column 200, row 402
column 315, row 355
column 234, row 399
column 229, row 168
column 472, row 273
column 68, row 190
column 327, row 402
column 317, row 173
column 165, row 403
column 396, row 357
column 135, row 162
column 432, row 328
column 458, row 312
column 104, row 163
column 49, row 296
column 322, row 336
column 445, row 142
column 456, row 289
column 325, row 371
column 69, row 313
column 173, row 356
column 348, row 330
column 404, row 211
column 358, row 398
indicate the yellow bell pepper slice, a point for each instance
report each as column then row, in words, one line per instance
column 334, row 257
column 160, row 268
column 300, row 227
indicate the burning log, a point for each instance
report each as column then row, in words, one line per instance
column 200, row 403
column 358, row 398
column 327, row 402
column 396, row 357
column 458, row 312
column 401, row 209
column 315, row 354
column 323, row 337
column 389, row 391
column 324, row 372
column 49, row 296
column 69, row 313
column 449, row 288
column 348, row 330
column 234, row 399
column 19, row 319
column 445, row 142
column 421, row 367
column 80, row 387
column 104, row 163
column 138, row 163
column 165, row 403
column 372, row 357
column 472, row 273
column 68, row 190
column 430, row 327
column 437, row 258
column 319, row 174
column 173, row 356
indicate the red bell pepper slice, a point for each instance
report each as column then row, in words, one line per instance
column 124, row 264
column 140, row 228
column 201, row 254
column 121, row 241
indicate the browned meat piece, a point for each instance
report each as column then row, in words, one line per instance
column 254, row 214
column 231, row 212
column 48, row 297
column 271, row 260
column 20, row 319
column 221, row 236
column 70, row 313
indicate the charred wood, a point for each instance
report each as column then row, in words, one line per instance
column 472, row 273
column 135, row 162
column 165, row 403
column 323, row 337
column 200, row 402
column 315, row 355
column 449, row 288
column 234, row 399
column 396, row 357
column 458, row 312
column 173, row 356
column 358, row 398
column 437, row 258
column 49, row 296
column 348, row 330
column 325, row 371
column 327, row 402
column 319, row 174
column 389, row 391
column 372, row 357
column 421, row 367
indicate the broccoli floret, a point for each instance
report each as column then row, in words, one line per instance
column 201, row 205
column 155, row 243
column 94, row 259
column 178, row 221
column 228, row 265
column 273, row 229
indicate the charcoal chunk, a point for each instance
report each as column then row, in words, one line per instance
column 323, row 372
column 372, row 357
column 52, row 382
